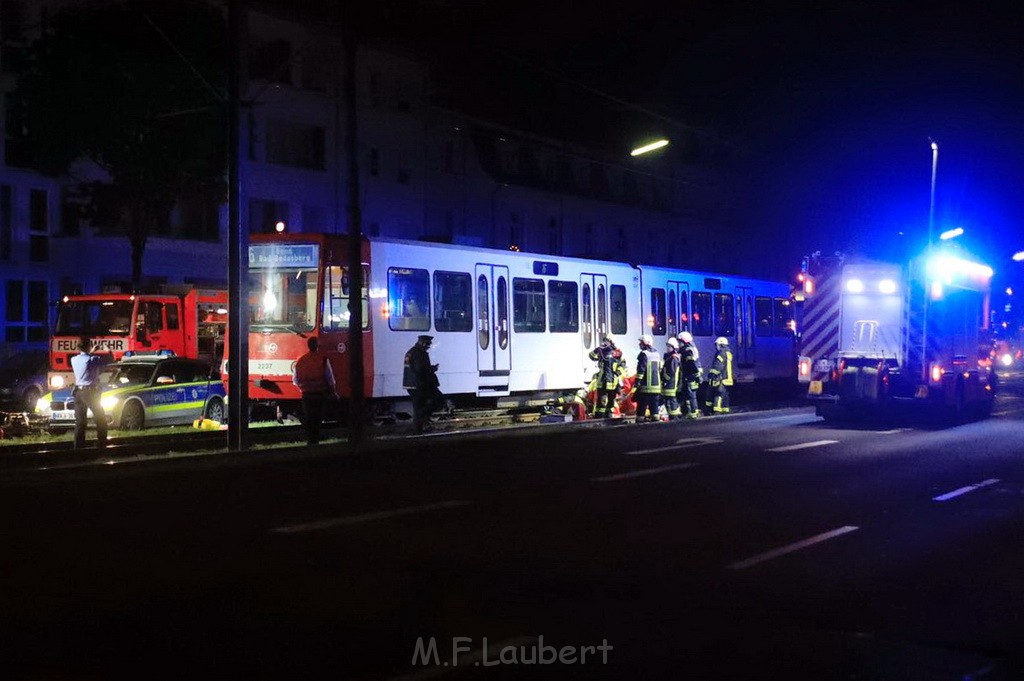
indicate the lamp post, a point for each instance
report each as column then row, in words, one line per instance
column 931, row 204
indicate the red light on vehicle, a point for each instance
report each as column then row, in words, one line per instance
column 805, row 367
column 936, row 373
column 808, row 286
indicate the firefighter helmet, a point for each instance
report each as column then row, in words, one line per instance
column 673, row 343
column 721, row 340
column 686, row 337
column 610, row 339
column 646, row 339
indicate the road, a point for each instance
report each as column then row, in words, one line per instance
column 763, row 545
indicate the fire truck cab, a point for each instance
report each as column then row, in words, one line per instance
column 188, row 324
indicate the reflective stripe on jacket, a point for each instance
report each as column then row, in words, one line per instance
column 312, row 373
column 648, row 372
column 670, row 374
column 722, row 367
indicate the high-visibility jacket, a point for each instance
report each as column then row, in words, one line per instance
column 608, row 359
column 313, row 373
column 721, row 368
column 670, row 374
column 648, row 372
column 691, row 367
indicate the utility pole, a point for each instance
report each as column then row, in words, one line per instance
column 238, row 245
column 355, row 230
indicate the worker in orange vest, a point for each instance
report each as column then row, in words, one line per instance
column 315, row 380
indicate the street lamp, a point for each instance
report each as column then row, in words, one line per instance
column 1018, row 256
column 931, row 205
column 658, row 144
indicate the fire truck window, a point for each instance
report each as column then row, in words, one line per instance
column 172, row 317
column 618, row 301
column 725, row 314
column 528, row 315
column 656, row 321
column 564, row 306
column 408, row 299
column 701, row 321
column 783, row 317
column 763, row 316
column 151, row 317
column 453, row 303
column 336, row 294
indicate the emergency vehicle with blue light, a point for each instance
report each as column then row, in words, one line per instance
column 878, row 336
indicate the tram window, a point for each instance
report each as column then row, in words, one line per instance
column 502, row 316
column 483, row 311
column 453, row 301
column 684, row 311
column 763, row 315
column 670, row 317
column 618, row 301
column 657, row 319
column 725, row 315
column 408, row 299
column 336, row 293
column 701, row 322
column 783, row 317
column 602, row 312
column 564, row 306
column 528, row 314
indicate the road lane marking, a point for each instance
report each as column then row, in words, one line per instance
column 342, row 521
column 796, row 546
column 644, row 471
column 458, row 662
column 803, row 445
column 964, row 490
column 684, row 443
column 892, row 432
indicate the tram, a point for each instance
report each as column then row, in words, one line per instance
column 510, row 328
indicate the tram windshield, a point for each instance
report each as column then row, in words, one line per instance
column 95, row 318
column 282, row 299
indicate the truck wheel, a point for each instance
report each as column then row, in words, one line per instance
column 133, row 417
column 215, row 410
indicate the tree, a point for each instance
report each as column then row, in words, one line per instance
column 136, row 87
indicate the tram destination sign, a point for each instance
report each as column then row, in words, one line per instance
column 285, row 256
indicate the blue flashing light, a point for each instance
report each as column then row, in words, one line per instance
column 948, row 267
column 165, row 353
column 951, row 233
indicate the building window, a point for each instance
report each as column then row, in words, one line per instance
column 27, row 311
column 265, row 214
column 5, row 222
column 270, row 60
column 38, row 226
column 295, row 145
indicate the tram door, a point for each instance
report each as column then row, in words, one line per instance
column 677, row 313
column 744, row 350
column 493, row 351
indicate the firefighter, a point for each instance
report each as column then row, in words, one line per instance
column 720, row 377
column 609, row 359
column 648, row 380
column 670, row 375
column 691, row 373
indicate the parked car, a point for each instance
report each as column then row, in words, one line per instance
column 23, row 380
column 147, row 390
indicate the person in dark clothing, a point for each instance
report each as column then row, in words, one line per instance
column 315, row 379
column 691, row 373
column 420, row 379
column 609, row 361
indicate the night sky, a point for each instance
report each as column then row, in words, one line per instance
column 825, row 109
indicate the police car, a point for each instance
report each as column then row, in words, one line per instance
column 146, row 390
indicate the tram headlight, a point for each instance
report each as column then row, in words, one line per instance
column 109, row 402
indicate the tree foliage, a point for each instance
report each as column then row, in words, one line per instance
column 137, row 88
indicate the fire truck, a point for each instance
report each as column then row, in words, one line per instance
column 188, row 322
column 878, row 337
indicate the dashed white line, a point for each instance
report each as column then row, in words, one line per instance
column 644, row 471
column 964, row 490
column 684, row 443
column 366, row 517
column 803, row 445
column 893, row 431
column 795, row 546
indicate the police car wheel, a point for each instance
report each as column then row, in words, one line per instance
column 132, row 418
column 215, row 410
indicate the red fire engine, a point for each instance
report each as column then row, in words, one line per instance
column 190, row 323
